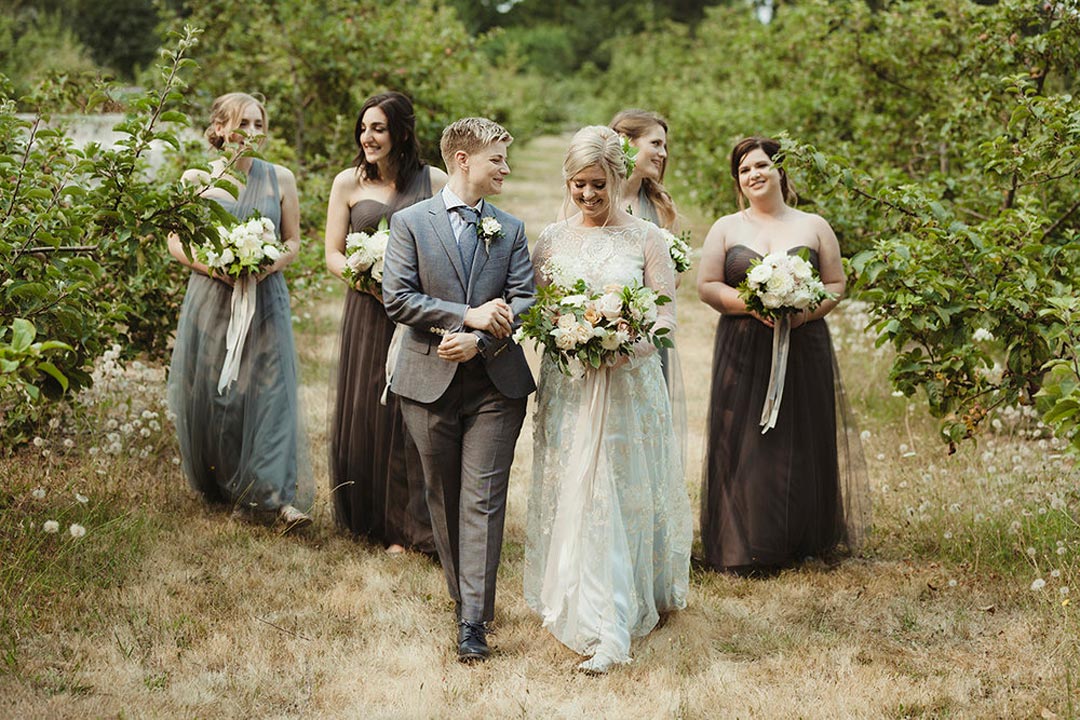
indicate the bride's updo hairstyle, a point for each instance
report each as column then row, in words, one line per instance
column 600, row 146
column 771, row 148
column 226, row 111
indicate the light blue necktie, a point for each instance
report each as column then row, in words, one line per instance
column 467, row 241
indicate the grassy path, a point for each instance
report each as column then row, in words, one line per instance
column 221, row 618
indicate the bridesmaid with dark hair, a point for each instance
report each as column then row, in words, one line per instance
column 376, row 482
column 772, row 499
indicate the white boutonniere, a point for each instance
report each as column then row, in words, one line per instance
column 490, row 229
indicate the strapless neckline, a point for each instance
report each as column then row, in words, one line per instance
column 789, row 250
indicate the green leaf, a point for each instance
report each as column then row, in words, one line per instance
column 22, row 335
column 50, row 369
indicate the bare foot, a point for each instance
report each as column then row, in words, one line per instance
column 395, row 549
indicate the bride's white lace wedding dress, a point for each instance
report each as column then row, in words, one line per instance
column 609, row 525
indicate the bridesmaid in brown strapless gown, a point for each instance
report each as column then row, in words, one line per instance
column 376, row 480
column 799, row 490
column 770, row 500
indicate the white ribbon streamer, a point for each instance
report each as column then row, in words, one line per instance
column 392, row 353
column 775, row 392
column 243, row 310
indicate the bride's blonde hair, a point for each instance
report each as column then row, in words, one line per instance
column 599, row 146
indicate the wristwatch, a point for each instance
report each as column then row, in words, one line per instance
column 481, row 344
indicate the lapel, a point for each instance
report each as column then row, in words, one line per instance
column 440, row 223
column 481, row 257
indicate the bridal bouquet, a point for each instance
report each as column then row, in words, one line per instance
column 678, row 248
column 776, row 286
column 364, row 257
column 578, row 329
column 241, row 251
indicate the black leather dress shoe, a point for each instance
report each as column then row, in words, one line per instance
column 472, row 643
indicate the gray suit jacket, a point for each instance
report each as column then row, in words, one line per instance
column 424, row 287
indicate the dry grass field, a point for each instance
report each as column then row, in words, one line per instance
column 958, row 606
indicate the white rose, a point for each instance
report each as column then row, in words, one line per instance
column 780, row 284
column 610, row 340
column 566, row 322
column 575, row 300
column 801, row 269
column 377, row 270
column 800, row 300
column 564, row 339
column 772, row 300
column 582, row 333
column 271, row 252
column 759, row 274
column 610, row 306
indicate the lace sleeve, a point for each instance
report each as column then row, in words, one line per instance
column 659, row 275
column 540, row 255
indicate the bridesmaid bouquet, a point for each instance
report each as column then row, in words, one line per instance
column 776, row 286
column 578, row 329
column 364, row 258
column 678, row 248
column 241, row 251
column 247, row 247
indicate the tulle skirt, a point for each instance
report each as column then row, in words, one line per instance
column 244, row 447
column 800, row 489
column 376, row 479
column 609, row 523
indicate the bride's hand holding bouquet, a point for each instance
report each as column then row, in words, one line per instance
column 580, row 330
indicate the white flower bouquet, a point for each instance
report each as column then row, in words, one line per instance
column 678, row 248
column 241, row 252
column 578, row 329
column 776, row 286
column 247, row 247
column 779, row 284
column 364, row 258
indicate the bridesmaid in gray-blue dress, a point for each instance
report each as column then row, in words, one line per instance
column 243, row 447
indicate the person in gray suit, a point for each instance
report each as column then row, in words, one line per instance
column 457, row 274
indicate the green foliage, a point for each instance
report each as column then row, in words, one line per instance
column 317, row 62
column 34, row 45
column 951, row 147
column 82, row 241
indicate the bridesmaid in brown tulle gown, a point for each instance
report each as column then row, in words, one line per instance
column 799, row 490
column 376, row 482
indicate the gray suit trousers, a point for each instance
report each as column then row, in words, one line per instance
column 466, row 440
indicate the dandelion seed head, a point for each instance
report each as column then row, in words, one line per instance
column 952, row 583
column 881, row 456
column 1055, row 573
column 81, row 498
column 864, row 435
column 77, row 530
column 1063, row 590
column 1031, row 552
column 1038, row 584
column 903, row 447
column 50, row 526
column 948, row 535
column 38, row 493
column 38, row 441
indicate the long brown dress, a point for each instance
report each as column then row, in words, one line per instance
column 376, row 480
column 800, row 489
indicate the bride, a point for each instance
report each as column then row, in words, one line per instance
column 609, row 528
